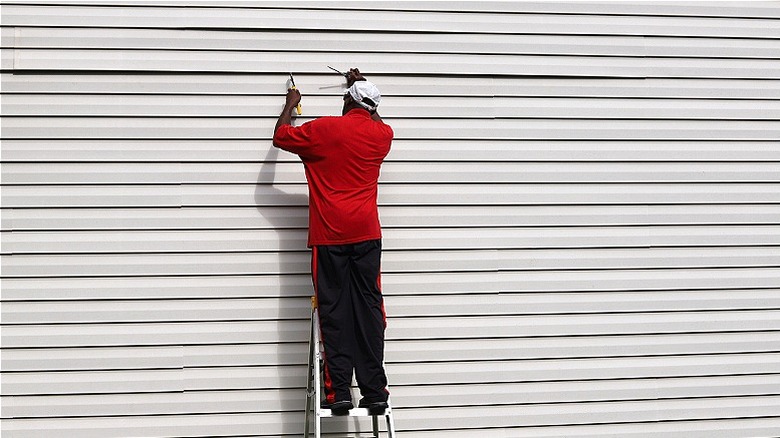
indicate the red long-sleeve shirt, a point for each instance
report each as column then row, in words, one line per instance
column 342, row 157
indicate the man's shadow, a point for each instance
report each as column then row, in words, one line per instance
column 287, row 213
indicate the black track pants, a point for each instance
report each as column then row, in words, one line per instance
column 352, row 318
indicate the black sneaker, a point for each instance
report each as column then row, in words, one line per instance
column 339, row 408
column 374, row 408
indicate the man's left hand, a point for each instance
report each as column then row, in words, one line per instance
column 353, row 76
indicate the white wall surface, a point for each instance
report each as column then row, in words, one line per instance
column 581, row 214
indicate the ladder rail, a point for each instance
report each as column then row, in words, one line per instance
column 310, row 381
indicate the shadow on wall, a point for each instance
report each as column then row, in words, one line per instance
column 294, row 290
column 292, row 233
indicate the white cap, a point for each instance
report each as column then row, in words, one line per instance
column 365, row 94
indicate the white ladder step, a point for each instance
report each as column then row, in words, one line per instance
column 356, row 412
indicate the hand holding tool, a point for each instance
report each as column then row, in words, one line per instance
column 292, row 82
column 352, row 76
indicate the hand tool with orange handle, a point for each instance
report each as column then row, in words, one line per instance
column 292, row 82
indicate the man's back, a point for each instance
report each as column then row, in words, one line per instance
column 342, row 156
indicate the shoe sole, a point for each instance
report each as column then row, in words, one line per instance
column 341, row 410
column 377, row 411
column 377, row 408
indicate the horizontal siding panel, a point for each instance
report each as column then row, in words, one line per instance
column 336, row 42
column 716, row 48
column 57, row 336
column 285, row 173
column 632, row 108
column 729, row 428
column 423, row 106
column 495, row 129
column 161, row 39
column 550, row 302
column 323, row 84
column 163, row 403
column 199, row 241
column 585, row 281
column 167, row 404
column 722, row 9
column 402, row 63
column 580, row 347
column 292, row 307
column 120, row 151
column 184, row 425
column 238, row 106
column 290, row 400
column 576, row 325
column 403, row 374
column 430, row 418
column 155, row 310
column 110, row 382
column 401, row 21
column 155, row 334
column 151, row 288
column 162, row 241
column 434, row 284
column 156, row 357
column 102, row 359
column 698, row 88
column 84, row 196
column 392, row 195
column 219, row 151
column 398, row 351
column 313, row 84
column 592, row 413
column 152, row 265
column 296, row 217
column 184, row 218
column 587, row 237
column 582, row 369
column 24, row 265
column 405, row 63
column 583, row 151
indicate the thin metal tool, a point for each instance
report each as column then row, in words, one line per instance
column 292, row 82
column 339, row 72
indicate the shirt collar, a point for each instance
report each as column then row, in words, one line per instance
column 360, row 112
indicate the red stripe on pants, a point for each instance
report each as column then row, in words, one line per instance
column 330, row 395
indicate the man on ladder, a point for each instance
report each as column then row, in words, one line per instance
column 342, row 157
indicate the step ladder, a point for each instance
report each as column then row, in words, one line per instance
column 313, row 389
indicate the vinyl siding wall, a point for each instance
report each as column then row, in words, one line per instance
column 581, row 214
